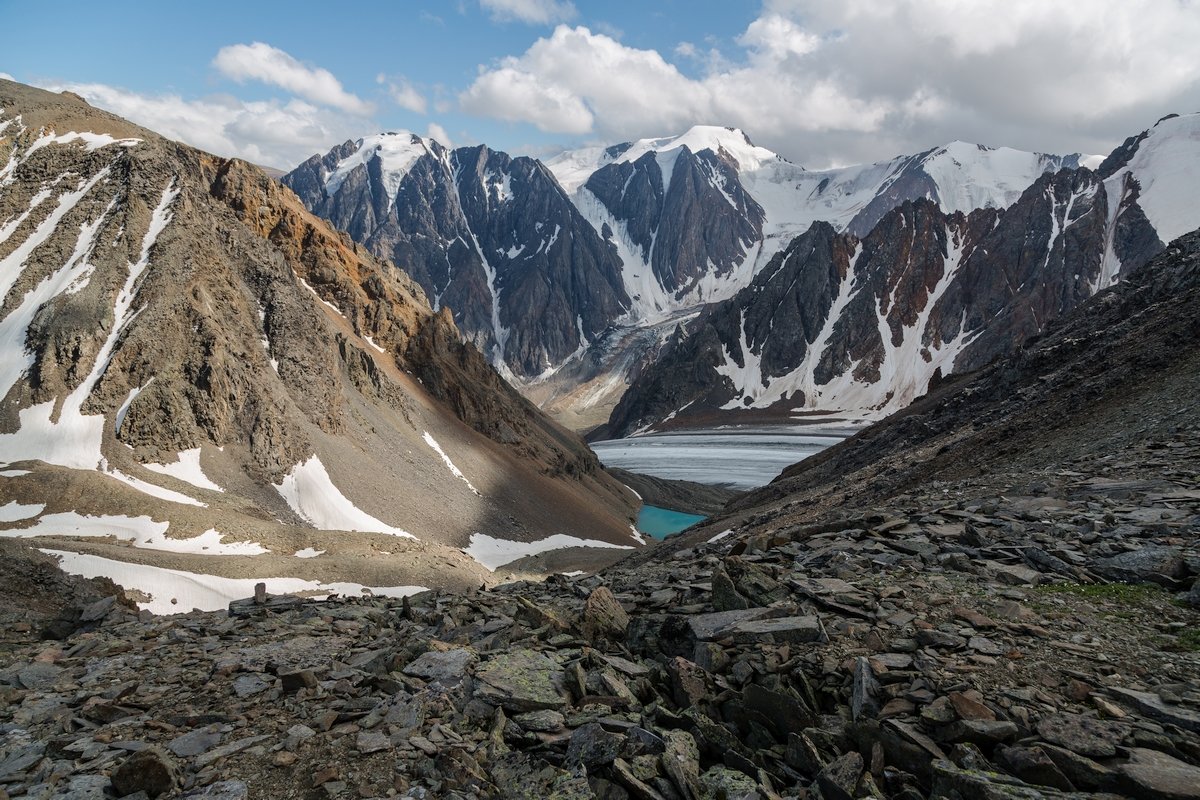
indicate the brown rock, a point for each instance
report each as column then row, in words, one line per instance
column 150, row 770
column 969, row 705
column 603, row 617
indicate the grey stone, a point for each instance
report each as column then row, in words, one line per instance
column 1156, row 564
column 706, row 627
column 864, row 690
column 1153, row 706
column 545, row 720
column 681, row 761
column 38, row 675
column 195, row 742
column 955, row 783
column 592, row 746
column 839, row 778
column 21, row 758
column 979, row 731
column 94, row 612
column 1150, row 774
column 295, row 680
column 795, row 630
column 522, row 680
column 1083, row 735
column 217, row 753
column 249, row 685
column 221, row 790
column 730, row 784
column 372, row 742
column 1034, row 766
column 81, row 787
column 447, row 667
column 784, row 714
column 603, row 617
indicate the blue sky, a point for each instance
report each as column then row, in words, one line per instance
column 821, row 82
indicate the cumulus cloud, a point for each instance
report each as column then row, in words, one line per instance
column 438, row 134
column 270, row 133
column 262, row 62
column 404, row 94
column 534, row 12
column 857, row 80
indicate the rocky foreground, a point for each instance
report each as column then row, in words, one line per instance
column 1031, row 635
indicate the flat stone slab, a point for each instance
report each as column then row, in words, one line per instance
column 1153, row 706
column 522, row 680
column 1149, row 773
column 706, row 627
column 447, row 667
column 783, row 629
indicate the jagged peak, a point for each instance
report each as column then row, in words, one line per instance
column 397, row 150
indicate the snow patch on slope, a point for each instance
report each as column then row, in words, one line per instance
column 494, row 553
column 455, row 471
column 309, row 491
column 186, row 469
column 175, row 591
column 73, row 439
column 142, row 532
column 14, row 511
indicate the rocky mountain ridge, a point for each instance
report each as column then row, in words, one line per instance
column 562, row 271
column 838, row 324
column 186, row 349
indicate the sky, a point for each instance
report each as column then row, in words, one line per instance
column 822, row 82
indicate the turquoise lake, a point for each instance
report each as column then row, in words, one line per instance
column 662, row 522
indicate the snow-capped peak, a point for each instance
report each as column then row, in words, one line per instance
column 1166, row 165
column 970, row 176
column 397, row 150
column 574, row 167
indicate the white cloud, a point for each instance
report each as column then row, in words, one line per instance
column 438, row 134
column 262, row 62
column 534, row 12
column 271, row 133
column 6, row 76
column 404, row 94
column 858, row 80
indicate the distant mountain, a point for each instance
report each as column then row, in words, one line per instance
column 742, row 203
column 841, row 324
column 492, row 237
column 540, row 262
column 192, row 362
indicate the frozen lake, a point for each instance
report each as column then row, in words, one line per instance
column 740, row 458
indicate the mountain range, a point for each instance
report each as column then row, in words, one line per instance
column 578, row 274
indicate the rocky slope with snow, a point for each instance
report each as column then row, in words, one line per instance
column 838, row 324
column 199, row 377
column 993, row 594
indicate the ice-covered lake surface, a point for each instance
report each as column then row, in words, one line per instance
column 740, row 458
